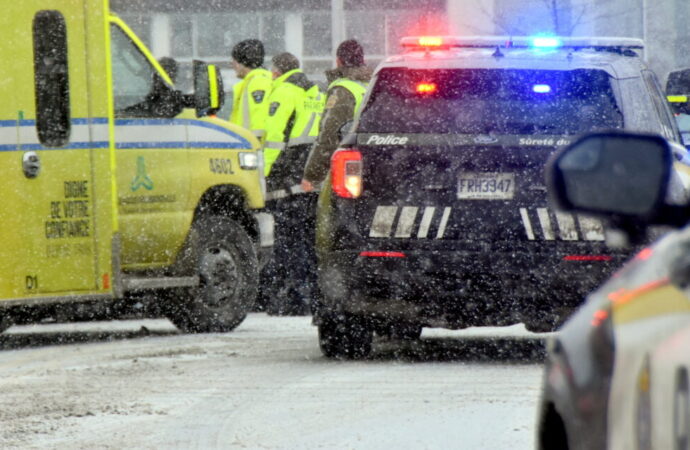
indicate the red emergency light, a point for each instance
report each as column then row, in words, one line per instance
column 427, row 43
column 430, row 41
column 426, row 88
column 587, row 258
column 382, row 254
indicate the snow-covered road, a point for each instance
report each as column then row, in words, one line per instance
column 265, row 385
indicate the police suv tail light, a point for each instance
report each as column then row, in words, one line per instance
column 346, row 173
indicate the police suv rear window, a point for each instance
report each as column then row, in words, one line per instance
column 525, row 102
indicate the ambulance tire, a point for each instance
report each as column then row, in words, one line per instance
column 5, row 322
column 228, row 271
column 344, row 337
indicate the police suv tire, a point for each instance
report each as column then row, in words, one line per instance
column 344, row 337
column 228, row 271
column 401, row 331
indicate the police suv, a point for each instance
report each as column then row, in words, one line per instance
column 435, row 213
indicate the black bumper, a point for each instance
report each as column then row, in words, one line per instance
column 454, row 289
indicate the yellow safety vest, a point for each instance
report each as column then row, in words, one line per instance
column 290, row 104
column 250, row 101
column 356, row 88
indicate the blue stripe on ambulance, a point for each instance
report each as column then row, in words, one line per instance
column 220, row 138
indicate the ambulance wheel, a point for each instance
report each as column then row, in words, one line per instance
column 344, row 337
column 228, row 272
column 5, row 322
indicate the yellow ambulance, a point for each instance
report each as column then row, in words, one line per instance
column 115, row 185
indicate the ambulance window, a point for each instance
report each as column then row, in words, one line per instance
column 132, row 73
column 51, row 80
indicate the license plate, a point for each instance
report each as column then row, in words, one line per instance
column 486, row 186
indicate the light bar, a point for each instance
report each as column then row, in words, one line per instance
column 545, row 42
column 541, row 88
column 415, row 42
column 430, row 41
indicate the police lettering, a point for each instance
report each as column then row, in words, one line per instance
column 387, row 140
column 532, row 141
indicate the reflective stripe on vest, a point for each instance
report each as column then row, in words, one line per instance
column 246, row 119
column 356, row 88
column 282, row 193
column 274, row 145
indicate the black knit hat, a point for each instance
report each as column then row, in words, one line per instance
column 249, row 52
column 350, row 53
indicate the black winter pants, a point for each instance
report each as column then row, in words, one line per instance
column 294, row 280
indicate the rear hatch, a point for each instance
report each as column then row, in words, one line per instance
column 453, row 159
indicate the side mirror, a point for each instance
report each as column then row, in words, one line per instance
column 345, row 129
column 208, row 89
column 622, row 176
column 679, row 104
column 677, row 90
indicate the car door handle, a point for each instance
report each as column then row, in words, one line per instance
column 31, row 164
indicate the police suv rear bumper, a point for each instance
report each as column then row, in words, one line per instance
column 455, row 289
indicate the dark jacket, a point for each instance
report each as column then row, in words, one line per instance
column 340, row 107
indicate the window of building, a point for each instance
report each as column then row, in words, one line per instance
column 369, row 28
column 316, row 29
column 141, row 25
column 273, row 33
column 181, row 37
column 51, row 79
column 214, row 35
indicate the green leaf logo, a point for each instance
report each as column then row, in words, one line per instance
column 141, row 179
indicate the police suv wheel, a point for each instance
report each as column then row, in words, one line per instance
column 401, row 331
column 227, row 268
column 344, row 337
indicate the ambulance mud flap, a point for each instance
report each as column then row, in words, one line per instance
column 118, row 288
column 266, row 225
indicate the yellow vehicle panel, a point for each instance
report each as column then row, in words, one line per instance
column 166, row 164
column 57, row 223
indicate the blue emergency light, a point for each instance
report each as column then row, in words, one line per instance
column 545, row 42
column 541, row 88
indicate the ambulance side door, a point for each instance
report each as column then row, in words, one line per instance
column 56, row 222
column 152, row 162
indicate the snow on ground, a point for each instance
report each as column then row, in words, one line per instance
column 141, row 384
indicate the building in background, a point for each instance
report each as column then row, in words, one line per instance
column 663, row 24
column 207, row 30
